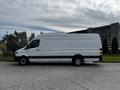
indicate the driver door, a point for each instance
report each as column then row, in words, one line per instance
column 33, row 49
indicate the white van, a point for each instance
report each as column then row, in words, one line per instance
column 77, row 48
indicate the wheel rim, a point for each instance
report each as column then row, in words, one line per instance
column 23, row 61
column 77, row 62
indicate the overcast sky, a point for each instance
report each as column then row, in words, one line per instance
column 56, row 15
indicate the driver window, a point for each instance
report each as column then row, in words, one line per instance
column 34, row 44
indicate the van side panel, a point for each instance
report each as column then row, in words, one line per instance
column 67, row 46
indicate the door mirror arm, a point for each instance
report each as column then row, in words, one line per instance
column 27, row 47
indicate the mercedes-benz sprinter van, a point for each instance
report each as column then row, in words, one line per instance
column 77, row 48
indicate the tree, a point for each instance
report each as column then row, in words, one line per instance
column 23, row 39
column 15, row 41
column 32, row 36
column 114, row 45
column 2, row 45
column 11, row 43
column 105, row 47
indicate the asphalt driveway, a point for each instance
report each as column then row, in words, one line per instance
column 100, row 76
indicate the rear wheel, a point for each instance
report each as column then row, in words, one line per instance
column 23, row 61
column 77, row 61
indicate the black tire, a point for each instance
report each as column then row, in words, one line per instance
column 23, row 61
column 77, row 60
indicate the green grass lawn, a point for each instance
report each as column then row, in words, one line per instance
column 111, row 58
column 6, row 58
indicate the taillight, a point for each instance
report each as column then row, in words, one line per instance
column 101, row 52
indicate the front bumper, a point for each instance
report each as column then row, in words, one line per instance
column 16, row 58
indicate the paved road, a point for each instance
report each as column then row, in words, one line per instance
column 102, row 76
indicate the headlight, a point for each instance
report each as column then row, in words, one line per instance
column 16, row 53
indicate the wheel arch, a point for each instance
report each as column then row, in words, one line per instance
column 24, row 56
column 78, row 56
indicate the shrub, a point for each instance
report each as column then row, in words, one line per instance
column 114, row 45
column 105, row 47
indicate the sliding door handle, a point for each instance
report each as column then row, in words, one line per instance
column 37, row 49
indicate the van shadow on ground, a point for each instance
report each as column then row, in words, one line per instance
column 60, row 64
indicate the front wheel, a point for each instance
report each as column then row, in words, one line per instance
column 23, row 61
